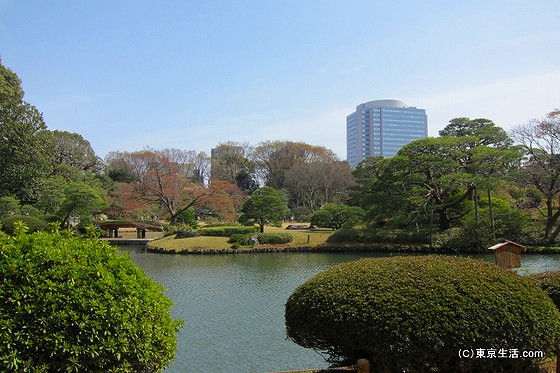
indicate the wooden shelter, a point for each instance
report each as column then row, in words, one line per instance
column 507, row 254
column 113, row 228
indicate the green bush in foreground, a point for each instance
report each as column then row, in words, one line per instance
column 550, row 283
column 417, row 313
column 68, row 304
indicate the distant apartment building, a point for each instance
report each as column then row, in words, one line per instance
column 381, row 128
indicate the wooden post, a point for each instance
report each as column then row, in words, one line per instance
column 363, row 366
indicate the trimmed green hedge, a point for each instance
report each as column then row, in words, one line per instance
column 550, row 283
column 264, row 239
column 227, row 231
column 275, row 238
column 417, row 313
column 186, row 234
column 240, row 239
column 69, row 304
column 33, row 223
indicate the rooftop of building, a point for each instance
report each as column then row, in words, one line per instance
column 383, row 103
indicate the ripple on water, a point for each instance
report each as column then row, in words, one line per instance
column 233, row 306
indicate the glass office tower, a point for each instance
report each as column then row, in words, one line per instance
column 381, row 128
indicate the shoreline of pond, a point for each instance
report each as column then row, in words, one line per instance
column 341, row 248
column 247, row 293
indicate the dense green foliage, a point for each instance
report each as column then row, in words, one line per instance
column 416, row 313
column 352, row 235
column 262, row 239
column 429, row 180
column 266, row 205
column 187, row 218
column 275, row 238
column 550, row 283
column 9, row 206
column 347, row 235
column 239, row 239
column 50, row 172
column 478, row 231
column 33, row 223
column 68, row 304
column 483, row 130
column 26, row 148
column 226, row 231
column 73, row 150
column 336, row 216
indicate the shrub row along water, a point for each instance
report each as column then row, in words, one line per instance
column 225, row 231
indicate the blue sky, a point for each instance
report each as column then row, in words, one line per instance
column 127, row 75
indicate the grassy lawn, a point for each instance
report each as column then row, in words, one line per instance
column 301, row 238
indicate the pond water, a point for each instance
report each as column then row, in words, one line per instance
column 233, row 305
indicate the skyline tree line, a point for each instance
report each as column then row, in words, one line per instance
column 474, row 177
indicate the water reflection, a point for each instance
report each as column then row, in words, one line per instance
column 233, row 305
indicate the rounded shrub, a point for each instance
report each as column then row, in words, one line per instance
column 550, row 283
column 32, row 222
column 418, row 313
column 239, row 239
column 69, row 304
column 345, row 235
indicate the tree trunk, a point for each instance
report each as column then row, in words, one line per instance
column 552, row 219
column 475, row 199
column 444, row 222
column 554, row 235
column 492, row 222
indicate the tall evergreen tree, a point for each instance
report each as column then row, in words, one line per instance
column 26, row 149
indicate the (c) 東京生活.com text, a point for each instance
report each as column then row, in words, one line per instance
column 498, row 353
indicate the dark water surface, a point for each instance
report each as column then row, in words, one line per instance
column 233, row 305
